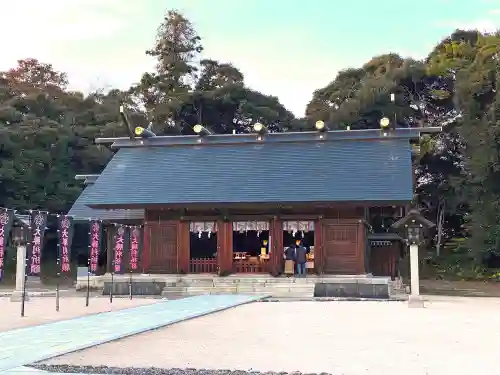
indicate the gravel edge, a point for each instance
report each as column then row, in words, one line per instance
column 69, row 369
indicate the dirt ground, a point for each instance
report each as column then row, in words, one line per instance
column 460, row 288
column 43, row 309
column 452, row 335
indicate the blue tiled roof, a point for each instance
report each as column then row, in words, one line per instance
column 79, row 211
column 317, row 171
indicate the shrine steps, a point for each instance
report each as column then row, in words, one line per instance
column 259, row 286
column 178, row 286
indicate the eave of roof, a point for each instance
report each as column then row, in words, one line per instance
column 82, row 212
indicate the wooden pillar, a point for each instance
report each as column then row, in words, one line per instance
column 224, row 246
column 183, row 246
column 318, row 246
column 361, row 244
column 276, row 258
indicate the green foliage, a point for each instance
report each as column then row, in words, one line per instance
column 47, row 132
column 458, row 172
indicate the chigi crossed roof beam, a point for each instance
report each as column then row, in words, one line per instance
column 334, row 135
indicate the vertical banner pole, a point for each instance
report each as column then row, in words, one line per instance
column 112, row 283
column 23, row 295
column 133, row 245
column 58, row 275
column 116, row 257
column 112, row 268
column 23, row 298
column 130, row 285
column 87, row 294
column 64, row 241
column 57, row 286
column 94, row 245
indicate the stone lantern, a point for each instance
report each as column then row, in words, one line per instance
column 414, row 227
column 20, row 237
column 19, row 234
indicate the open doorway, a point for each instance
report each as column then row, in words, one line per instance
column 203, row 247
column 251, row 245
column 296, row 232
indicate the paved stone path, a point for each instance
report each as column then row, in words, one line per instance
column 23, row 346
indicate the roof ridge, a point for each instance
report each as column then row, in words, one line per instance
column 309, row 136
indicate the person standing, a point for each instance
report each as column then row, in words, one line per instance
column 290, row 260
column 301, row 259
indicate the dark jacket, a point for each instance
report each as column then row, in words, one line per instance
column 290, row 253
column 301, row 255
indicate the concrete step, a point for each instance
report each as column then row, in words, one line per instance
column 275, row 287
column 276, row 290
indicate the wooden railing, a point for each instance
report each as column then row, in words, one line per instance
column 249, row 266
column 203, row 265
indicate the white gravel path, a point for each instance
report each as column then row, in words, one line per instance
column 451, row 336
column 43, row 309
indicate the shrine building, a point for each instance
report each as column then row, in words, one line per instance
column 225, row 204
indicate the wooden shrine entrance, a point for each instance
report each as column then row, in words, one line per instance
column 163, row 244
column 303, row 232
column 215, row 246
column 203, row 247
column 344, row 247
column 385, row 254
column 251, row 244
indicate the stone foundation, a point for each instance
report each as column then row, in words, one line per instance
column 174, row 286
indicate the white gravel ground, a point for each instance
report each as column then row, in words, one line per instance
column 43, row 309
column 451, row 336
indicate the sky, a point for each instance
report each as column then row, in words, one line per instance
column 284, row 48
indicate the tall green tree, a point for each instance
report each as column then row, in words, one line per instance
column 46, row 136
column 163, row 92
column 479, row 101
column 185, row 90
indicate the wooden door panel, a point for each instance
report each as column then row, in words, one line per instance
column 384, row 260
column 163, row 245
column 340, row 244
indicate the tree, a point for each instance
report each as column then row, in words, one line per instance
column 479, row 101
column 181, row 93
column 47, row 131
column 163, row 92
column 423, row 96
column 216, row 75
column 359, row 98
column 47, row 136
column 31, row 75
